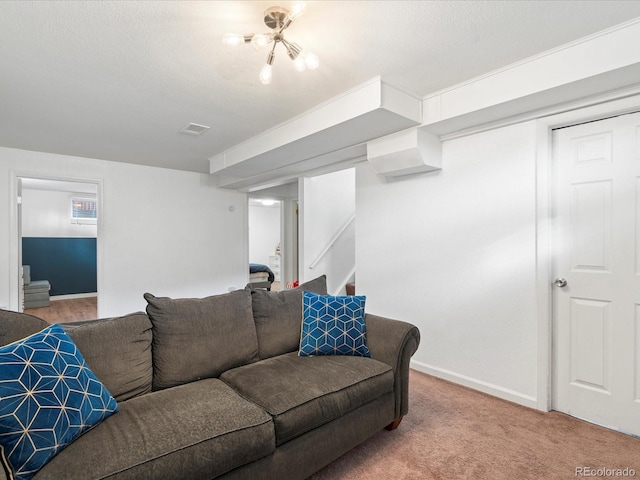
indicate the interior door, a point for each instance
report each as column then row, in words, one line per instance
column 596, row 331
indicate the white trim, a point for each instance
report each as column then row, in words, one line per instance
column 73, row 296
column 552, row 111
column 543, row 264
column 608, row 108
column 14, row 252
column 480, row 385
column 544, row 242
column 245, row 241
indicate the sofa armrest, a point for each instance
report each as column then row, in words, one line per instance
column 394, row 342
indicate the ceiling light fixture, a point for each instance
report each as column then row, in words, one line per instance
column 278, row 19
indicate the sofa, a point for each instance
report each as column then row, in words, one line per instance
column 216, row 388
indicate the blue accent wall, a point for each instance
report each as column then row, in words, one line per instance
column 69, row 264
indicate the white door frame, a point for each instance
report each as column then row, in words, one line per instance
column 15, row 234
column 285, row 258
column 545, row 225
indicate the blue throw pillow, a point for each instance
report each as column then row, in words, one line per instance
column 48, row 398
column 333, row 325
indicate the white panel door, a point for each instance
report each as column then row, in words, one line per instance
column 596, row 330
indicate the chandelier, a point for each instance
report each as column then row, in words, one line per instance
column 278, row 19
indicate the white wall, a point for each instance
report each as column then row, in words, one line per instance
column 454, row 252
column 327, row 203
column 163, row 231
column 47, row 213
column 264, row 232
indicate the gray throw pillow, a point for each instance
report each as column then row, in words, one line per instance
column 15, row 326
column 278, row 316
column 195, row 338
column 118, row 351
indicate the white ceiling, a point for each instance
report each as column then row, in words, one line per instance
column 116, row 80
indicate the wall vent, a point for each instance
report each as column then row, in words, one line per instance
column 194, row 129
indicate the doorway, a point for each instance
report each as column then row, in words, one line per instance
column 57, row 248
column 265, row 242
column 596, row 293
column 281, row 228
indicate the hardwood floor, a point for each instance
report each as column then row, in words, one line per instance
column 72, row 310
column 76, row 309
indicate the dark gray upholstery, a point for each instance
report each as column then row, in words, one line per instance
column 16, row 326
column 298, row 459
column 118, row 351
column 195, row 338
column 278, row 316
column 282, row 417
column 302, row 393
column 394, row 342
column 197, row 431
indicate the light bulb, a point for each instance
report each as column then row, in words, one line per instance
column 232, row 39
column 259, row 41
column 266, row 74
column 299, row 64
column 312, row 61
column 296, row 10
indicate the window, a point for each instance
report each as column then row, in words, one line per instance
column 84, row 210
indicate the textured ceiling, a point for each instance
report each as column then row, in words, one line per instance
column 116, row 80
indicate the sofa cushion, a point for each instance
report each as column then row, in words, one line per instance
column 302, row 393
column 333, row 325
column 16, row 326
column 278, row 316
column 195, row 338
column 48, row 398
column 197, row 431
column 118, row 351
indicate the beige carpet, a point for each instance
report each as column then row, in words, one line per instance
column 452, row 432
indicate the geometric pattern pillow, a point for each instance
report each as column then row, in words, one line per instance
column 333, row 325
column 48, row 398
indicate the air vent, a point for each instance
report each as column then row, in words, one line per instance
column 194, row 129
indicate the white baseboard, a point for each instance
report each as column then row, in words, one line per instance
column 73, row 295
column 485, row 387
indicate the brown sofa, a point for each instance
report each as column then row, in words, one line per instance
column 214, row 388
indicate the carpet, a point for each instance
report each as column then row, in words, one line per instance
column 453, row 432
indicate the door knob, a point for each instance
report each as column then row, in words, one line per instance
column 560, row 282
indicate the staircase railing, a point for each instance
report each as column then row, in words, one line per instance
column 343, row 283
column 332, row 242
